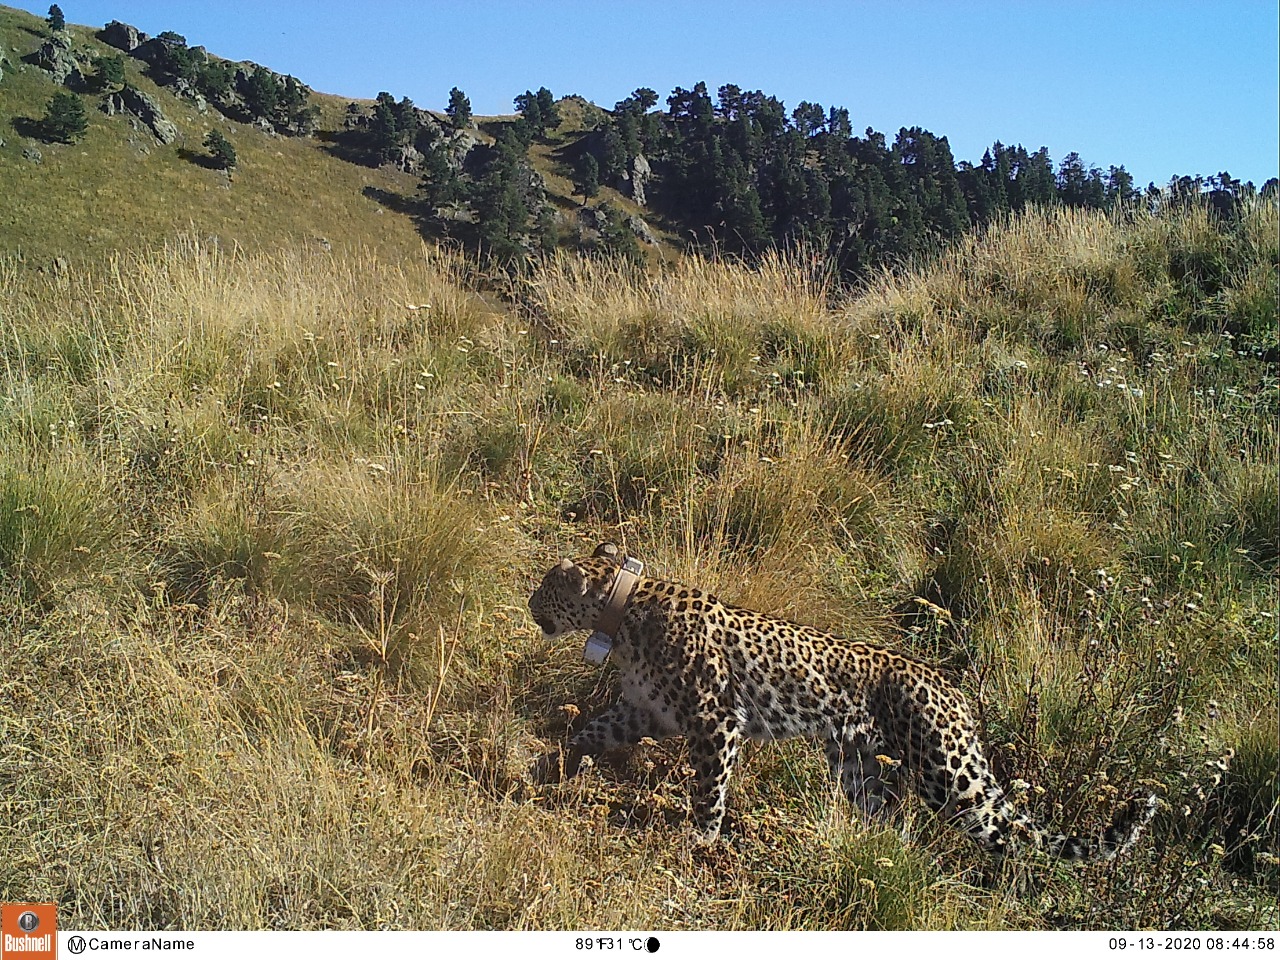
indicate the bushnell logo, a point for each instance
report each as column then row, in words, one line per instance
column 28, row 931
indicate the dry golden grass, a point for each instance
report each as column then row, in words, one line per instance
column 268, row 523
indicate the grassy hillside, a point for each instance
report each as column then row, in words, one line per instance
column 268, row 521
column 118, row 188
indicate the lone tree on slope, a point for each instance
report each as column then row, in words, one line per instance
column 586, row 176
column 222, row 153
column 64, row 118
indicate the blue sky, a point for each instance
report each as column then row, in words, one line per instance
column 1163, row 88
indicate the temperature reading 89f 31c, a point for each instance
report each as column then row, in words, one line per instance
column 647, row 944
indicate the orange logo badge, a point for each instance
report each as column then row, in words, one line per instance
column 28, row 931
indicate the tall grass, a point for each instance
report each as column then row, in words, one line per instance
column 268, row 522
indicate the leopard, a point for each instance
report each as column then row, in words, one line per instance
column 718, row 675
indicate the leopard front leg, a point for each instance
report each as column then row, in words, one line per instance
column 712, row 752
column 621, row 725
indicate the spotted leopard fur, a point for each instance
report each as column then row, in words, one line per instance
column 716, row 674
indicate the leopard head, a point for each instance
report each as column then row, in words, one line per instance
column 573, row 593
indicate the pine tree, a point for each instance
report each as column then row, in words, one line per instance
column 1072, row 178
column 547, row 109
column 383, row 128
column 56, row 21
column 294, row 108
column 262, row 93
column 1120, row 189
column 502, row 212
column 1035, row 177
column 110, row 72
column 838, row 123
column 459, row 109
column 628, row 134
column 586, row 176
column 175, row 60
column 613, row 155
column 222, row 153
column 617, row 239
column 546, row 229
column 407, row 122
column 809, row 118
column 538, row 112
column 64, row 118
column 645, row 98
column 440, row 185
column 216, row 79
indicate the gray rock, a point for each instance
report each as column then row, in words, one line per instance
column 408, row 159
column 144, row 107
column 533, row 189
column 642, row 230
column 122, row 36
column 55, row 56
column 593, row 218
column 149, row 51
column 355, row 119
column 461, row 144
column 187, row 90
column 428, row 119
column 33, row 154
column 641, row 174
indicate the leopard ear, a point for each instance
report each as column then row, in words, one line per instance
column 573, row 575
column 606, row 550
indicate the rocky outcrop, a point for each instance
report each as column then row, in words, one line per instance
column 641, row 229
column 150, row 51
column 356, row 118
column 187, row 90
column 408, row 159
column 172, row 64
column 641, row 174
column 122, row 36
column 593, row 218
column 56, row 57
column 634, row 180
column 460, row 146
column 76, row 80
column 144, row 107
column 4, row 61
